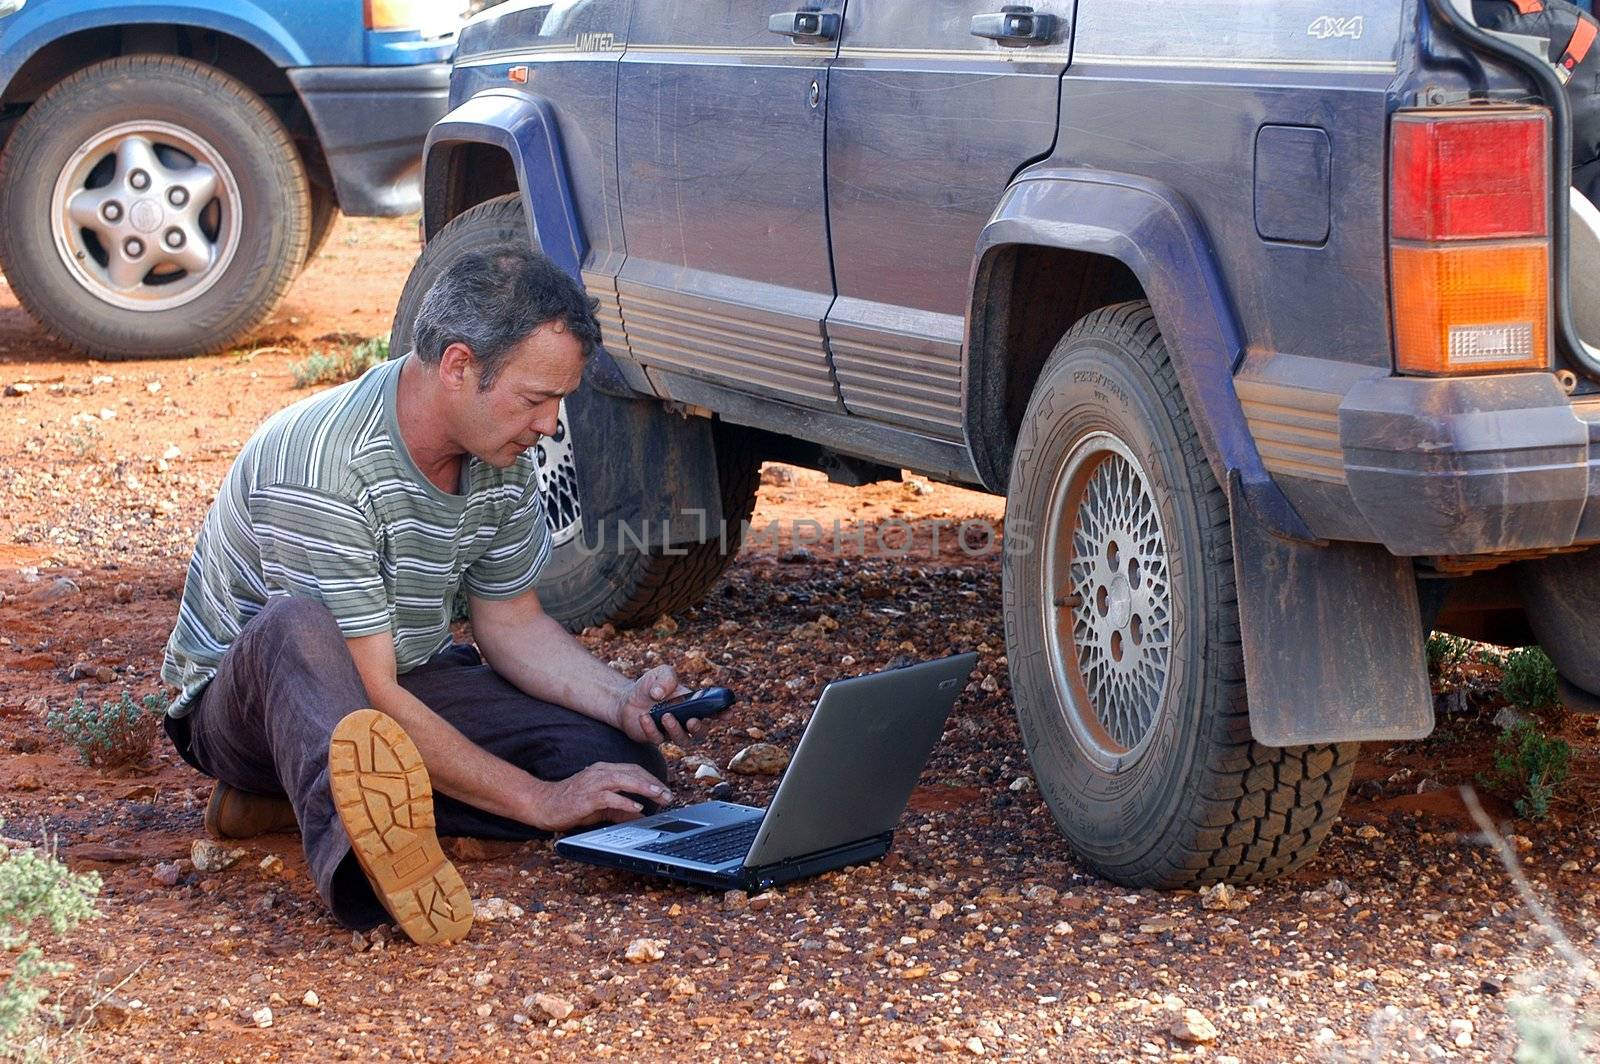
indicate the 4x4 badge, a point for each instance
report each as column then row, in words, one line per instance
column 1329, row 26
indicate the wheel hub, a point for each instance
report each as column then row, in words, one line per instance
column 1106, row 571
column 558, row 482
column 145, row 215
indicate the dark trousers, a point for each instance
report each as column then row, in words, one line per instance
column 264, row 723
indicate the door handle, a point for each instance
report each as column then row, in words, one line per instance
column 1015, row 26
column 805, row 25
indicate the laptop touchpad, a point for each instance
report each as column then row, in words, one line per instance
column 640, row 834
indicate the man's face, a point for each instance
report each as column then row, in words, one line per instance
column 504, row 420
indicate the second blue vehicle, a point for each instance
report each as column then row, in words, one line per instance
column 169, row 167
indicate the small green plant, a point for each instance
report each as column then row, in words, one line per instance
column 1445, row 651
column 113, row 733
column 344, row 365
column 1528, row 679
column 1531, row 766
column 35, row 888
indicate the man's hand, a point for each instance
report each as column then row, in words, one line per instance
column 602, row 792
column 633, row 716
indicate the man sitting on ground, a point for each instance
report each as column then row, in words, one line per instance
column 313, row 651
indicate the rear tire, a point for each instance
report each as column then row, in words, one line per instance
column 623, row 587
column 105, row 249
column 1123, row 636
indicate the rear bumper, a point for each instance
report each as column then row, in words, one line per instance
column 372, row 122
column 1474, row 465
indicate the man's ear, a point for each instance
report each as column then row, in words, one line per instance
column 457, row 367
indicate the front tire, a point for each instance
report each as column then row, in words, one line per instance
column 151, row 206
column 582, row 588
column 1123, row 635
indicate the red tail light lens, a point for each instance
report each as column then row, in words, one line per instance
column 1470, row 176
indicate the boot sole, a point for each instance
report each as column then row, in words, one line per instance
column 381, row 791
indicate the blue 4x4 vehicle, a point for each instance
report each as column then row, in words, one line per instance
column 1257, row 314
column 170, row 165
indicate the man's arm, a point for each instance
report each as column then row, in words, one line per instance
column 462, row 769
column 528, row 647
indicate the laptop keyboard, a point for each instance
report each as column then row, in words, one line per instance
column 714, row 847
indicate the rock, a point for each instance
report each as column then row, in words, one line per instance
column 108, row 1010
column 311, row 1001
column 989, row 683
column 85, row 670
column 18, row 388
column 695, row 663
column 1193, row 1026
column 167, row 873
column 1222, row 897
column 707, row 772
column 262, row 1017
column 665, row 625
column 1442, row 951
column 1021, row 784
column 672, row 751
column 974, row 1045
column 1461, row 1033
column 723, row 791
column 59, row 588
column 556, row 1008
column 735, row 900
column 760, row 759
column 777, row 476
column 122, row 593
column 1368, row 832
column 940, row 909
column 693, row 763
column 1431, row 786
column 208, row 856
column 1520, row 843
column 645, row 950
column 915, row 486
column 27, row 781
column 763, row 900
column 492, row 909
column 1508, row 718
column 271, row 864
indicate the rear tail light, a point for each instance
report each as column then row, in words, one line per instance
column 1469, row 240
column 429, row 16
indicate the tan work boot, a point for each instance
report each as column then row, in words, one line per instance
column 236, row 814
column 381, row 790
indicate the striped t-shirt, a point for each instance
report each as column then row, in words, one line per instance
column 324, row 501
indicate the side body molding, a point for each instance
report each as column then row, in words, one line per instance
column 525, row 127
column 1147, row 228
column 1306, row 608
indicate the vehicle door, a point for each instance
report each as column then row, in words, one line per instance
column 720, row 157
column 927, row 122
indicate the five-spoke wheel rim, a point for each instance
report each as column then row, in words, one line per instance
column 1108, row 600
column 558, row 482
column 146, row 215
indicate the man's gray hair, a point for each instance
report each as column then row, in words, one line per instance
column 493, row 299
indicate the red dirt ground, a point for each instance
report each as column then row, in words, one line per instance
column 980, row 932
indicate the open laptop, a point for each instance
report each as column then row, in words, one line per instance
column 837, row 804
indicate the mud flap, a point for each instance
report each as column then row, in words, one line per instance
column 646, row 476
column 1333, row 640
